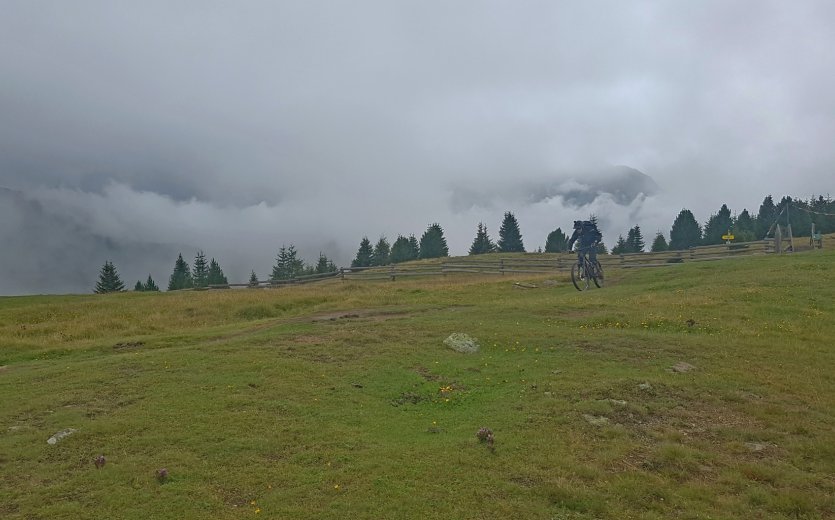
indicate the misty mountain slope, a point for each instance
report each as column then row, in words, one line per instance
column 44, row 253
column 622, row 184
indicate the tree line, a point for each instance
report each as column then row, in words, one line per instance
column 203, row 273
column 685, row 232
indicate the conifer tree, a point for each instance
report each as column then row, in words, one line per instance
column 415, row 248
column 433, row 243
column 744, row 227
column 797, row 215
column 482, row 243
column 685, row 232
column 253, row 279
column 200, row 271
column 557, row 242
column 365, row 254
column 216, row 276
column 635, row 240
column 621, row 246
column 139, row 287
column 181, row 277
column 108, row 280
column 401, row 250
column 287, row 264
column 324, row 265
column 659, row 244
column 717, row 225
column 150, row 285
column 381, row 253
column 601, row 249
column 510, row 238
column 766, row 216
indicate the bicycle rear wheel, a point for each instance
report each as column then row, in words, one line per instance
column 579, row 276
column 598, row 274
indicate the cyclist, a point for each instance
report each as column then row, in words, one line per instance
column 587, row 237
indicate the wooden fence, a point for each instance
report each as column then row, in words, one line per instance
column 533, row 263
column 548, row 263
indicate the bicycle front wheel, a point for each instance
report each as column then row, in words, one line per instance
column 579, row 277
column 598, row 274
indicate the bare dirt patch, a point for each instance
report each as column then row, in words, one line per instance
column 129, row 345
column 359, row 314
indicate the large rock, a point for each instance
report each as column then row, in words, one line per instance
column 55, row 439
column 460, row 342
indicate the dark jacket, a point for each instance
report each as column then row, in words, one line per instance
column 587, row 235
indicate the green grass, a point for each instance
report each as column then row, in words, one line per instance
column 341, row 401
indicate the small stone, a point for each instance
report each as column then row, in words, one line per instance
column 645, row 386
column 682, row 367
column 596, row 420
column 100, row 461
column 548, row 394
column 617, row 402
column 60, row 435
column 756, row 447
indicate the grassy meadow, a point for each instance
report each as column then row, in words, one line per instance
column 340, row 400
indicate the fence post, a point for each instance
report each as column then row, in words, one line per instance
column 391, row 271
column 342, row 273
column 501, row 266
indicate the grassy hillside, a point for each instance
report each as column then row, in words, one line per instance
column 342, row 401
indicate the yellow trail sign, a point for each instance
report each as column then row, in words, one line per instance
column 727, row 237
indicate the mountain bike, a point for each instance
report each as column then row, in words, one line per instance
column 585, row 271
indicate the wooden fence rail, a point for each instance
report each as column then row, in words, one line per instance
column 548, row 263
column 538, row 263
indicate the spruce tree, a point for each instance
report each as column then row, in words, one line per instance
column 401, row 250
column 766, row 216
column 744, row 227
column 181, row 277
column 216, row 276
column 415, row 248
column 287, row 264
column 108, row 280
column 685, row 232
column 365, row 254
column 557, row 242
column 621, row 247
column 324, row 265
column 797, row 215
column 381, row 253
column 635, row 240
column 139, row 287
column 601, row 249
column 200, row 272
column 510, row 238
column 253, row 279
column 824, row 216
column 296, row 264
column 150, row 285
column 717, row 225
column 659, row 244
column 482, row 243
column 433, row 243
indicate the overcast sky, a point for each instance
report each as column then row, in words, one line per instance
column 236, row 127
